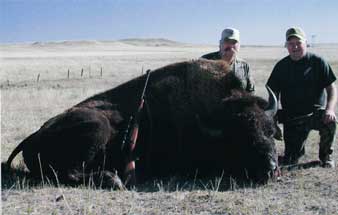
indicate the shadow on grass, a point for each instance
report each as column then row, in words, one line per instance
column 179, row 183
column 19, row 178
column 298, row 166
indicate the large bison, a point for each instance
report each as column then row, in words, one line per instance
column 196, row 118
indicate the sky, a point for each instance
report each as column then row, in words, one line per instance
column 261, row 22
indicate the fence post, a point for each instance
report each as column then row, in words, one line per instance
column 38, row 78
column 68, row 74
column 81, row 72
column 101, row 72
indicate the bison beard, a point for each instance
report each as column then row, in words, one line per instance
column 199, row 118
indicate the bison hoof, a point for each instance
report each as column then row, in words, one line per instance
column 104, row 179
column 112, row 180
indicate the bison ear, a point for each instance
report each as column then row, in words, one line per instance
column 271, row 110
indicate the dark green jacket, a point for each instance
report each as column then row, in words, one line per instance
column 301, row 84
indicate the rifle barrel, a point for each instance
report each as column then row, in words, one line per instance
column 146, row 83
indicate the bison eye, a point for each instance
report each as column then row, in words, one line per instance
column 270, row 133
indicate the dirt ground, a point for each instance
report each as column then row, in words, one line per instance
column 40, row 80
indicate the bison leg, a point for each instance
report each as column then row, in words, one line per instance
column 103, row 179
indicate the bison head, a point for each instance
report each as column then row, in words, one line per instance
column 243, row 128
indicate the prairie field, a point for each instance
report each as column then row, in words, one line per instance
column 40, row 80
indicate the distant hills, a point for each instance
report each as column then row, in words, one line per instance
column 153, row 42
column 147, row 42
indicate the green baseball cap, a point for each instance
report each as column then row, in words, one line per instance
column 295, row 32
column 230, row 34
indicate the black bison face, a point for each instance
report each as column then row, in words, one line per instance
column 244, row 130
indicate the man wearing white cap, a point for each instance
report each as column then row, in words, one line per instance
column 229, row 46
column 300, row 79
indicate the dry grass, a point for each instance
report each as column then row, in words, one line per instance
column 26, row 104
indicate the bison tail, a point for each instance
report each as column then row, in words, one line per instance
column 17, row 150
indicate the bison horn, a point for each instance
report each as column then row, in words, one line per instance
column 206, row 130
column 271, row 110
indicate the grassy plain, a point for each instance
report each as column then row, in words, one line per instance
column 26, row 103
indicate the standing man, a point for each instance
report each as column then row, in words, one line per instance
column 300, row 80
column 228, row 48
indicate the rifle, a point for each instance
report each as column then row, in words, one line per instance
column 130, row 135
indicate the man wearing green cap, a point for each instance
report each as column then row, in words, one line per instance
column 300, row 80
column 228, row 48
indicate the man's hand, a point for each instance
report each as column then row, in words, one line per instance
column 332, row 97
column 329, row 116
